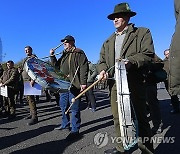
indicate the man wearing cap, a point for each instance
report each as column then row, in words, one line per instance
column 74, row 64
column 136, row 46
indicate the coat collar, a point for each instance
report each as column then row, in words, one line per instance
column 128, row 38
column 127, row 41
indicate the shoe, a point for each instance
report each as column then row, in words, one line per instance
column 62, row 128
column 93, row 110
column 72, row 136
column 175, row 111
column 11, row 116
column 89, row 108
column 5, row 114
column 48, row 99
column 113, row 151
column 28, row 117
column 157, row 130
column 33, row 121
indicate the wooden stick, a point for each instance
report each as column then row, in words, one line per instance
column 52, row 55
column 84, row 91
column 59, row 45
column 55, row 49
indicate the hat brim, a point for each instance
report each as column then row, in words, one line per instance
column 63, row 40
column 130, row 14
column 67, row 40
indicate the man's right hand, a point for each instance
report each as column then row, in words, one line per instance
column 103, row 75
column 32, row 82
column 1, row 84
column 52, row 52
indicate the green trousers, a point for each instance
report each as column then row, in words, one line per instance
column 32, row 105
column 9, row 104
column 139, row 101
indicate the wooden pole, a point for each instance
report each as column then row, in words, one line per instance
column 84, row 91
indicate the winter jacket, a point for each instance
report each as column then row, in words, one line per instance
column 137, row 48
column 174, row 75
column 70, row 62
column 25, row 75
column 10, row 78
column 92, row 73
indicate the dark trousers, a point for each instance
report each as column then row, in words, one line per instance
column 20, row 94
column 174, row 98
column 32, row 105
column 1, row 104
column 57, row 98
column 151, row 96
column 90, row 98
column 138, row 98
column 9, row 103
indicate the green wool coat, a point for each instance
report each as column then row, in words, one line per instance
column 174, row 75
column 137, row 47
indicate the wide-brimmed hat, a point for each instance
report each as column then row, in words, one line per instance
column 122, row 8
column 68, row 38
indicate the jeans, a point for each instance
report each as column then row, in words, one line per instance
column 64, row 103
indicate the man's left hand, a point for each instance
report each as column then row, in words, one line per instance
column 32, row 83
column 2, row 85
column 83, row 87
column 128, row 65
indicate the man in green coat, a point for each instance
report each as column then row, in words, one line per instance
column 174, row 98
column 30, row 98
column 174, row 75
column 9, row 79
column 136, row 46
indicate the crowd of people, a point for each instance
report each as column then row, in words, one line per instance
column 135, row 45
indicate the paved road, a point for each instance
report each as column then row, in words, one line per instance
column 17, row 137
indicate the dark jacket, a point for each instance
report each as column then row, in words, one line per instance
column 156, row 73
column 1, row 70
column 137, row 48
column 69, row 62
column 92, row 73
column 25, row 75
column 10, row 78
column 166, row 65
column 174, row 75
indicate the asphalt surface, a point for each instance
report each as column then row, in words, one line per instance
column 17, row 137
